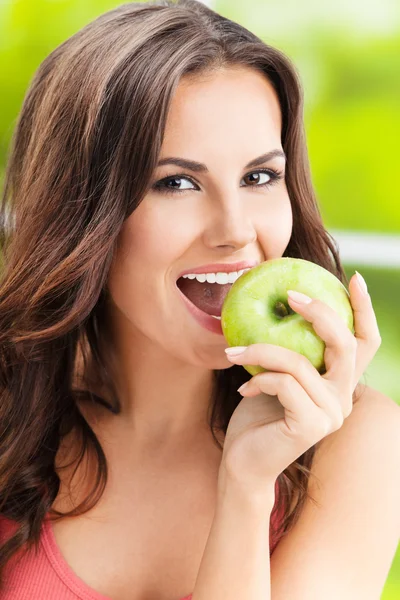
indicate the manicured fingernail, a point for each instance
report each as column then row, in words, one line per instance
column 361, row 283
column 235, row 350
column 299, row 297
column 243, row 387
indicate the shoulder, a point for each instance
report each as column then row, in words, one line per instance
column 367, row 442
column 369, row 397
column 371, row 404
column 374, row 420
column 347, row 535
column 379, row 406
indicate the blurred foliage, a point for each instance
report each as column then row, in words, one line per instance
column 352, row 98
column 383, row 286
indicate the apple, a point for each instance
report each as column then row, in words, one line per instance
column 256, row 308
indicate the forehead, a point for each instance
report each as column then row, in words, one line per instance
column 239, row 101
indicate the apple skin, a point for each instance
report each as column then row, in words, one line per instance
column 256, row 308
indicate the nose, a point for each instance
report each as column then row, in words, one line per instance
column 231, row 225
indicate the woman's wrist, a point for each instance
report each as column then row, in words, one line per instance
column 235, row 562
column 260, row 499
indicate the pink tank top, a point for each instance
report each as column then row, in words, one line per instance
column 47, row 575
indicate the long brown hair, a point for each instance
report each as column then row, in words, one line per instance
column 83, row 152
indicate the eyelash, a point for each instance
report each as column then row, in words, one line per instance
column 275, row 175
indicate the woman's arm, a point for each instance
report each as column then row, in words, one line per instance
column 235, row 562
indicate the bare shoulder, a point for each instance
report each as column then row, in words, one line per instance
column 374, row 415
column 369, row 397
column 370, row 402
column 343, row 544
column 368, row 439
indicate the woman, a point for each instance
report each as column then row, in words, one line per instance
column 135, row 160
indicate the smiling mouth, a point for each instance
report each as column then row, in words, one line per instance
column 208, row 297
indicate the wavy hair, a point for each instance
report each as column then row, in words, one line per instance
column 82, row 155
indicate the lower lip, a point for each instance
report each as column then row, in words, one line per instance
column 208, row 322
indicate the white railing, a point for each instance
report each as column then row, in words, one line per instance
column 369, row 249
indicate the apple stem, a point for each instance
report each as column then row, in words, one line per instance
column 281, row 309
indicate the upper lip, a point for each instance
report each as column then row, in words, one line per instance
column 221, row 267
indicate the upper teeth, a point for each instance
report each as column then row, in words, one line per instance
column 222, row 278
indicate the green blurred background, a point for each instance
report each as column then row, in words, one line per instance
column 348, row 58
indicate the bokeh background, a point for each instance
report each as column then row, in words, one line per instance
column 347, row 54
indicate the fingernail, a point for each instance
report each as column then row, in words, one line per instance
column 235, row 350
column 243, row 387
column 299, row 297
column 361, row 283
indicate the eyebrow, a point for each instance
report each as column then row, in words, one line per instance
column 201, row 168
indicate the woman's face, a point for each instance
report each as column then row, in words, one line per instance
column 221, row 215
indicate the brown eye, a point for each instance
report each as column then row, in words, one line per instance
column 163, row 187
column 272, row 178
column 255, row 178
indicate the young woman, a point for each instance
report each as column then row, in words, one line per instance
column 160, row 140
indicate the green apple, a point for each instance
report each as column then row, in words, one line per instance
column 256, row 308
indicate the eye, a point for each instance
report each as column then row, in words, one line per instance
column 273, row 177
column 161, row 186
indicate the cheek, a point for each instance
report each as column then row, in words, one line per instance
column 147, row 244
column 275, row 227
column 144, row 243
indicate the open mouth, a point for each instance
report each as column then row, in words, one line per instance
column 208, row 297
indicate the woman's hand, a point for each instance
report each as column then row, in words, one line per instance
column 291, row 407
